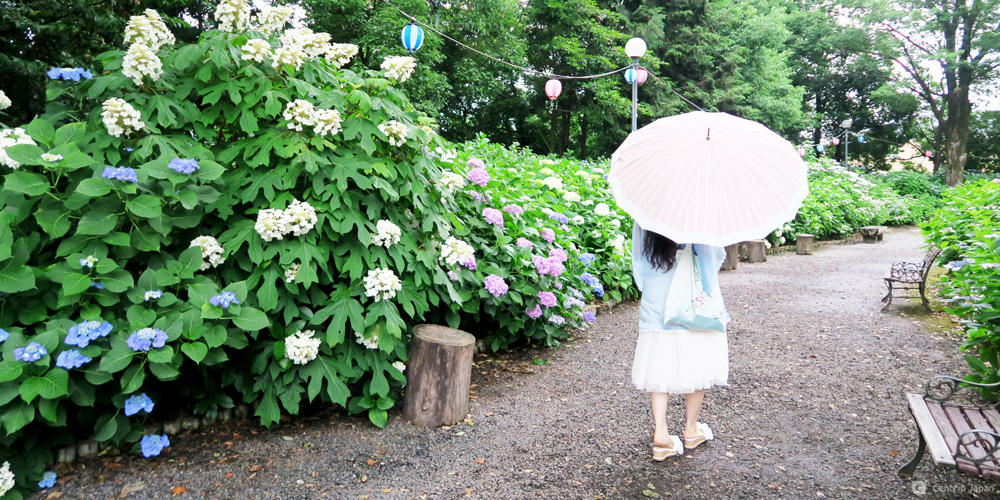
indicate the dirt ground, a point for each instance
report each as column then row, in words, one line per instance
column 815, row 408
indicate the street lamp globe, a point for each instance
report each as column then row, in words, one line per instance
column 635, row 48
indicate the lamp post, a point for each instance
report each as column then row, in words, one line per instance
column 635, row 49
column 846, row 125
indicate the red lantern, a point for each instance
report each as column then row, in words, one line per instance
column 836, row 141
column 553, row 88
column 929, row 154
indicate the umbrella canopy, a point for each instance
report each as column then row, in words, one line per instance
column 710, row 178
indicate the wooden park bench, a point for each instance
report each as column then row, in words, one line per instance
column 907, row 276
column 960, row 429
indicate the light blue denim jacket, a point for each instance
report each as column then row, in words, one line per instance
column 654, row 284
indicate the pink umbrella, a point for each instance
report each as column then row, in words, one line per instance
column 709, row 178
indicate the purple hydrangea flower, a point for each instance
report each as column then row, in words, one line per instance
column 513, row 209
column 589, row 316
column 4, row 334
column 86, row 332
column 534, row 313
column 48, row 480
column 548, row 299
column 224, row 300
column 153, row 444
column 72, row 358
column 146, row 339
column 541, row 264
column 558, row 254
column 557, row 319
column 559, row 217
column 548, row 235
column 452, row 275
column 587, row 258
column 493, row 216
column 478, row 176
column 571, row 302
column 475, row 163
column 481, row 198
column 138, row 402
column 599, row 290
column 184, row 165
column 576, row 293
column 495, row 285
column 126, row 174
column 558, row 285
column 524, row 243
column 470, row 264
column 31, row 353
column 97, row 284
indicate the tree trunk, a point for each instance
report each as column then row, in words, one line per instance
column 440, row 368
column 564, row 132
column 583, row 136
column 956, row 133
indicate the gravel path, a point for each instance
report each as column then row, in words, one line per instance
column 815, row 408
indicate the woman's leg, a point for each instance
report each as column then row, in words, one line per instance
column 693, row 402
column 659, row 402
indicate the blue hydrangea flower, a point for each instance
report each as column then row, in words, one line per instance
column 153, row 444
column 97, row 284
column 589, row 279
column 146, row 339
column 3, row 335
column 555, row 318
column 74, row 74
column 587, row 258
column 152, row 295
column 48, row 480
column 599, row 289
column 559, row 217
column 223, row 300
column 137, row 403
column 88, row 261
column 126, row 174
column 128, row 150
column 184, row 165
column 576, row 293
column 72, row 359
column 31, row 353
column 53, row 73
column 86, row 332
column 589, row 316
column 955, row 265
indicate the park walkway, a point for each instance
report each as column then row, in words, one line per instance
column 815, row 408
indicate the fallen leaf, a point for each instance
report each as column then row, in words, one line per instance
column 287, row 438
column 54, row 495
column 113, row 465
column 650, row 493
column 893, row 452
column 254, row 468
column 229, row 474
column 178, row 490
column 479, row 460
column 371, row 461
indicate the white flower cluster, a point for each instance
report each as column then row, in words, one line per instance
column 149, row 30
column 301, row 347
column 120, row 117
column 4, row 101
column 255, row 50
column 455, row 251
column 299, row 45
column 274, row 224
column 233, row 15
column 399, row 365
column 387, row 233
column 602, row 210
column 618, row 243
column 327, row 121
column 51, row 158
column 553, row 182
column 6, row 479
column 572, row 196
column 140, row 61
column 371, row 343
column 12, row 137
column 382, row 284
column 272, row 19
column 211, row 251
column 339, row 54
column 452, row 181
column 301, row 114
column 395, row 132
column 292, row 272
column 399, row 68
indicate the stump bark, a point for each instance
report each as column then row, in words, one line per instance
column 440, row 367
column 732, row 256
column 872, row 234
column 804, row 244
column 753, row 251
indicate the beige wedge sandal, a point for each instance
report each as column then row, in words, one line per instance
column 660, row 453
column 704, row 433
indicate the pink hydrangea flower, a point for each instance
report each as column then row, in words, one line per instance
column 548, row 299
column 541, row 264
column 513, row 209
column 559, row 254
column 524, row 243
column 493, row 216
column 495, row 285
column 478, row 176
column 534, row 313
column 475, row 163
column 470, row 264
column 548, row 235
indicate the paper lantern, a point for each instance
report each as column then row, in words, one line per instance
column 801, row 152
column 929, row 154
column 412, row 37
column 861, row 139
column 836, row 141
column 820, row 148
column 639, row 75
column 553, row 88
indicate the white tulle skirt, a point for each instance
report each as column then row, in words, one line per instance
column 680, row 361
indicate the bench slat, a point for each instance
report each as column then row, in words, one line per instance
column 979, row 421
column 936, row 444
column 957, row 419
column 993, row 416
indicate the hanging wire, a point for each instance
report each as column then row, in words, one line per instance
column 671, row 88
column 501, row 61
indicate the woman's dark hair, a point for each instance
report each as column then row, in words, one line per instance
column 659, row 250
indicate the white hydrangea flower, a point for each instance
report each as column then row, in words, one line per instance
column 327, row 121
column 149, row 30
column 577, row 220
column 553, row 182
column 6, row 479
column 233, row 15
column 387, row 233
column 427, row 129
column 211, row 251
column 291, row 55
column 301, row 347
column 140, row 61
column 272, row 224
column 301, row 217
column 395, row 132
column 399, row 365
column 451, row 181
column 120, row 117
column 313, row 44
column 292, row 273
column 587, row 203
column 300, row 113
column 547, row 171
column 339, row 54
column 602, row 210
column 371, row 343
column 272, row 19
column 618, row 243
column 455, row 251
column 572, row 196
column 616, row 223
column 256, row 50
column 4, row 101
column 12, row 137
column 52, row 158
column 382, row 284
column 399, row 68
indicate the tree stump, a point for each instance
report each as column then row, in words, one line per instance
column 804, row 244
column 732, row 256
column 440, row 367
column 872, row 234
column 753, row 251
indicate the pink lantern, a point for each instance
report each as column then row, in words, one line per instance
column 836, row 141
column 553, row 88
column 929, row 154
column 641, row 75
column 801, row 152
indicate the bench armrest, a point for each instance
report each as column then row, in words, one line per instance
column 945, row 388
column 989, row 441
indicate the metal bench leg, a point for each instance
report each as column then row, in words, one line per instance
column 906, row 471
column 888, row 296
column 923, row 297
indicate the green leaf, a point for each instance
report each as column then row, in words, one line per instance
column 164, row 371
column 379, row 384
column 116, row 359
column 17, row 417
column 252, row 319
column 15, row 277
column 55, row 223
column 118, row 281
column 93, row 187
column 26, row 154
column 378, row 417
column 71, row 132
column 268, row 410
column 27, row 183
column 10, row 370
column 97, row 223
column 145, row 206
column 195, row 350
column 74, row 283
column 161, row 355
column 133, row 378
column 49, row 410
column 107, row 426
column 53, row 385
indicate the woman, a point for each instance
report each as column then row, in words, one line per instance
column 672, row 359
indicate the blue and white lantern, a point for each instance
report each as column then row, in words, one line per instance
column 820, row 148
column 861, row 139
column 637, row 74
column 413, row 37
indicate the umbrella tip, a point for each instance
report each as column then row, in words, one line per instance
column 708, row 135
